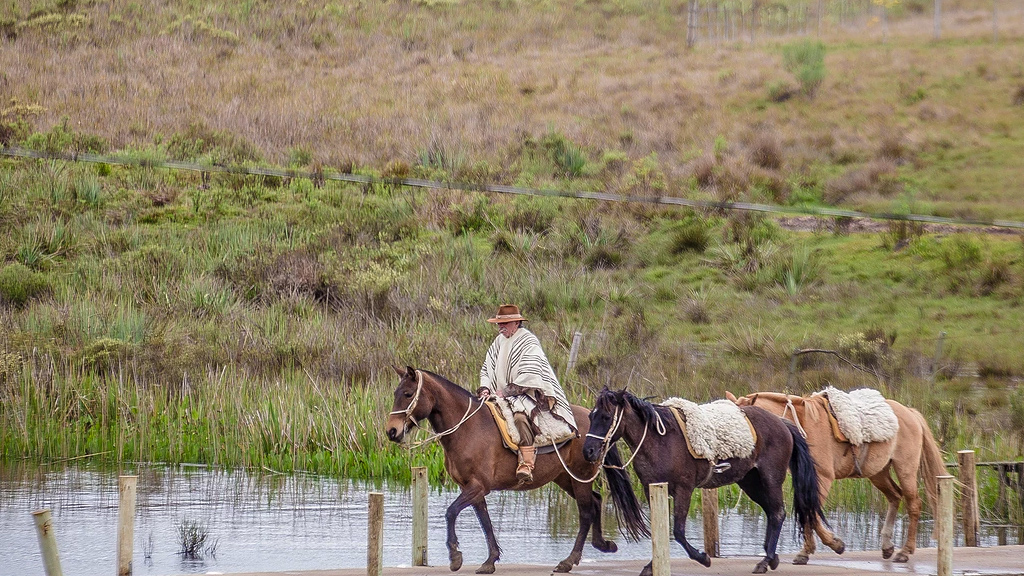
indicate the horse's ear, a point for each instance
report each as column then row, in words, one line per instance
column 410, row 371
column 729, row 396
column 399, row 370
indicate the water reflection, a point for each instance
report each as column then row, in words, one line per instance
column 275, row 522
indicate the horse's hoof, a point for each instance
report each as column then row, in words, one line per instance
column 800, row 559
column 455, row 561
column 774, row 562
column 563, row 567
column 761, row 567
column 485, row 569
column 900, row 557
column 607, row 547
column 839, row 546
column 887, row 552
column 704, row 559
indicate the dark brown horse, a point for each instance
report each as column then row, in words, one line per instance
column 661, row 455
column 478, row 462
column 912, row 452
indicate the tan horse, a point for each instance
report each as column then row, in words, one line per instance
column 912, row 451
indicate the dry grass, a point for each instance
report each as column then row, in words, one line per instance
column 373, row 84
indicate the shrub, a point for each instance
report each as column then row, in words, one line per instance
column 779, row 91
column 19, row 284
column 60, row 138
column 16, row 122
column 765, row 151
column 1018, row 96
column 569, row 159
column 690, row 235
column 104, row 353
column 806, row 61
column 221, row 147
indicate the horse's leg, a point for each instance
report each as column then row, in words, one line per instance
column 585, row 509
column 828, row 538
column 493, row 551
column 468, row 495
column 908, row 487
column 893, row 494
column 682, row 496
column 597, row 539
column 767, row 493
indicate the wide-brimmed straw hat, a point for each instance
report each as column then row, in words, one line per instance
column 506, row 313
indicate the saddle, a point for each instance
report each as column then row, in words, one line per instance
column 506, row 437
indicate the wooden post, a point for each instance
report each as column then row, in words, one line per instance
column 938, row 355
column 375, row 535
column 995, row 21
column 659, row 529
column 944, row 526
column 1004, row 481
column 938, row 19
column 419, row 516
column 969, row 496
column 47, row 542
column 574, row 351
column 709, row 510
column 691, row 24
column 125, row 523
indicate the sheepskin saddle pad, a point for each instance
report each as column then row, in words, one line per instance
column 553, row 430
column 863, row 415
column 715, row 431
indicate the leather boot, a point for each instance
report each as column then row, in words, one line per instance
column 527, row 458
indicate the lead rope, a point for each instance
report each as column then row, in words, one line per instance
column 796, row 419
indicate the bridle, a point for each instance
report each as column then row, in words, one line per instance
column 412, row 404
column 616, row 421
column 410, row 420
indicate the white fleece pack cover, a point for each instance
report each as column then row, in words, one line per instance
column 552, row 428
column 717, row 430
column 863, row 415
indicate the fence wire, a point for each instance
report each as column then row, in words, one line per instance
column 320, row 177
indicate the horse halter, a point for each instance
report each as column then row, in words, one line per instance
column 409, row 419
column 605, row 440
column 616, row 421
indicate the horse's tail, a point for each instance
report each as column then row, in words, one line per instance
column 632, row 520
column 931, row 461
column 806, row 498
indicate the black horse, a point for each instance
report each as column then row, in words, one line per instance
column 661, row 455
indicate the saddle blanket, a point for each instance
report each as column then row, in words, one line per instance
column 715, row 431
column 863, row 415
column 553, row 430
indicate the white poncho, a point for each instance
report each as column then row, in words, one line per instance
column 520, row 361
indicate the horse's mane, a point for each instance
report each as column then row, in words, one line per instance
column 648, row 412
column 447, row 383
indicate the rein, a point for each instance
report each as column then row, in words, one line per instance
column 412, row 405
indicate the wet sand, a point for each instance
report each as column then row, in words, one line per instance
column 994, row 561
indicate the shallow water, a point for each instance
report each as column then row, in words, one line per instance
column 276, row 523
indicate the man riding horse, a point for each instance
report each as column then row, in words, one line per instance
column 517, row 372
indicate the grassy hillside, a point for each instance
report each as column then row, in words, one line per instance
column 150, row 314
